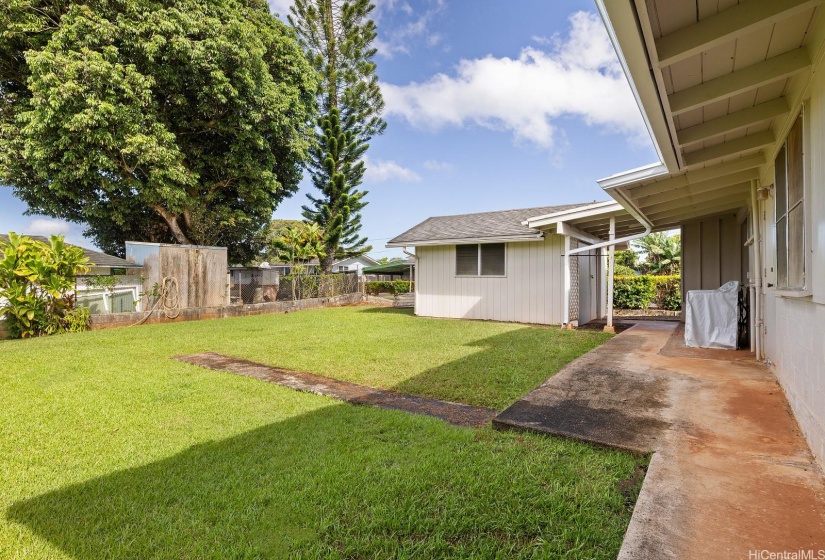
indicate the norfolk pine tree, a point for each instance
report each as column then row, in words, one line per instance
column 337, row 36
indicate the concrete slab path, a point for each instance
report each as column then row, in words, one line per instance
column 455, row 413
column 731, row 476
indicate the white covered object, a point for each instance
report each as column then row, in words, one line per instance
column 712, row 317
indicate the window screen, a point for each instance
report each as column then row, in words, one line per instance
column 466, row 260
column 790, row 214
column 492, row 259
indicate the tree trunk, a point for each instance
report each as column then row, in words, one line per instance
column 172, row 222
column 326, row 262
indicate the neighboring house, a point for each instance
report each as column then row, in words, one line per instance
column 125, row 296
column 353, row 264
column 509, row 265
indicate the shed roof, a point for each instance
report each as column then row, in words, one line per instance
column 395, row 267
column 503, row 225
column 97, row 258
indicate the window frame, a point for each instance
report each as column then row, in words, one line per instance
column 807, row 286
column 478, row 260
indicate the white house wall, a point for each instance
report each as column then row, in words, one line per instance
column 795, row 326
column 530, row 292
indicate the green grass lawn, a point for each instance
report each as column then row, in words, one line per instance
column 109, row 449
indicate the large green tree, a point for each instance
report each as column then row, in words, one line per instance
column 157, row 120
column 662, row 253
column 337, row 36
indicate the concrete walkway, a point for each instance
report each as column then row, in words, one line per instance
column 457, row 414
column 731, row 475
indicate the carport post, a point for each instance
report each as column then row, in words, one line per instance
column 610, row 261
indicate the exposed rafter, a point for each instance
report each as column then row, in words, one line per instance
column 708, row 198
column 690, row 211
column 698, row 176
column 746, row 79
column 725, row 26
column 733, row 122
column 732, row 147
column 699, row 188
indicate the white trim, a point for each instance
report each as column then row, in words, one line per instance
column 469, row 241
column 565, row 213
column 645, row 173
column 602, row 209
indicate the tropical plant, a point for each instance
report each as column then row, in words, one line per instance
column 662, row 253
column 297, row 245
column 337, row 36
column 627, row 258
column 37, row 282
column 182, row 121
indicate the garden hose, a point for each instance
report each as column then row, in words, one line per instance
column 168, row 301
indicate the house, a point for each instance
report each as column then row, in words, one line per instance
column 510, row 266
column 734, row 98
column 124, row 295
column 353, row 264
column 733, row 95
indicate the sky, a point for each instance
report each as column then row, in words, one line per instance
column 490, row 105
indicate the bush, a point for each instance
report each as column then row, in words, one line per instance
column 622, row 270
column 639, row 292
column 37, row 284
column 393, row 287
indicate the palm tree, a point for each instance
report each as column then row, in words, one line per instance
column 662, row 253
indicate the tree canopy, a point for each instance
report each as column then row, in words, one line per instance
column 154, row 120
column 337, row 36
column 662, row 253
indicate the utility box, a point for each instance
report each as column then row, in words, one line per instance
column 200, row 271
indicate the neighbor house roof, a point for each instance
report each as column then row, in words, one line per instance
column 97, row 258
column 504, row 225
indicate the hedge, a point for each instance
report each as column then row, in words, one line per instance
column 639, row 292
column 393, row 287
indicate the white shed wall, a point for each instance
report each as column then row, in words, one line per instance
column 530, row 292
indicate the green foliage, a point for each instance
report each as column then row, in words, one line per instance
column 662, row 253
column 103, row 282
column 337, row 38
column 77, row 320
column 36, row 284
column 639, row 292
column 627, row 258
column 181, row 121
column 295, row 243
column 389, row 286
column 306, row 286
column 622, row 270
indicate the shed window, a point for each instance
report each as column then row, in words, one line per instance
column 790, row 211
column 480, row 260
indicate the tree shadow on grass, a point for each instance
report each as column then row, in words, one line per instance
column 347, row 481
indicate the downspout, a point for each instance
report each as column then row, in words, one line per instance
column 757, row 257
column 415, row 279
column 611, row 257
column 565, row 321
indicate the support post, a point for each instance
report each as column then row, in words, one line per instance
column 611, row 254
column 565, row 320
column 757, row 264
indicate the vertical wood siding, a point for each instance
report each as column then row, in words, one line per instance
column 530, row 292
column 711, row 253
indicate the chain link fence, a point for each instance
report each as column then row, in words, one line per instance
column 250, row 285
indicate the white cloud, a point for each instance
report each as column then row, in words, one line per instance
column 433, row 165
column 380, row 171
column 280, row 7
column 399, row 39
column 47, row 227
column 580, row 77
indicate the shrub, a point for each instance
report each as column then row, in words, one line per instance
column 639, row 292
column 36, row 286
column 622, row 270
column 393, row 287
column 633, row 292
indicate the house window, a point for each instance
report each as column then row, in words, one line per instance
column 790, row 211
column 480, row 260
